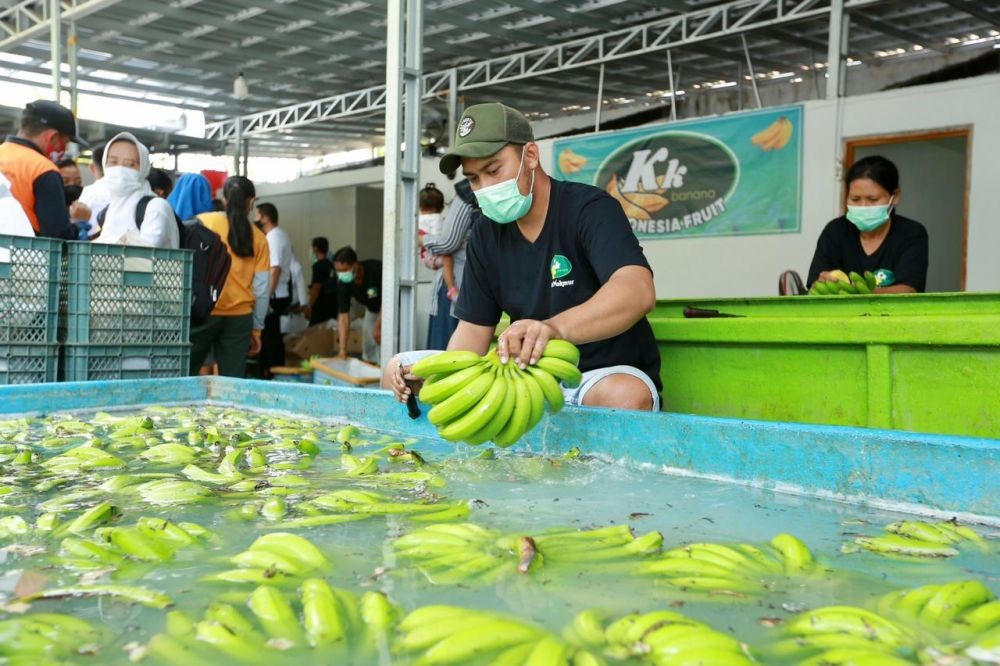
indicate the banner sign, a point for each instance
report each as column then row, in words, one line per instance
column 730, row 176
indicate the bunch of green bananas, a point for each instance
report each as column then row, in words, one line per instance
column 273, row 558
column 658, row 637
column 919, row 539
column 149, row 540
column 456, row 635
column 739, row 569
column 846, row 284
column 333, row 620
column 477, row 399
column 41, row 637
column 124, row 593
column 348, row 505
column 842, row 635
column 466, row 553
column 962, row 610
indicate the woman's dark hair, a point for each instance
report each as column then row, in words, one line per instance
column 237, row 191
column 65, row 163
column 345, row 255
column 160, row 179
column 431, row 198
column 876, row 168
column 321, row 244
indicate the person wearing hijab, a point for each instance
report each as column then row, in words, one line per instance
column 191, row 197
column 126, row 166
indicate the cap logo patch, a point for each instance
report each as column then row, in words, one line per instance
column 466, row 126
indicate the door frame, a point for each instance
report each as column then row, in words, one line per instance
column 964, row 132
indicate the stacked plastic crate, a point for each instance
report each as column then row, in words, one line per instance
column 127, row 312
column 29, row 309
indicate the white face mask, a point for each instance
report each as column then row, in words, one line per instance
column 121, row 181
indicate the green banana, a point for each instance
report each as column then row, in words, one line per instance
column 550, row 388
column 438, row 391
column 794, row 553
column 537, row 398
column 906, row 603
column 587, row 629
column 894, row 544
column 502, row 415
column 223, row 639
column 293, row 547
column 96, row 515
column 562, row 349
column 268, row 561
column 547, row 652
column 139, row 595
column 171, row 491
column 476, row 640
column 322, row 616
column 444, row 363
column 978, row 620
column 135, row 544
column 170, row 453
column 377, row 612
column 275, row 614
column 953, row 599
column 850, row 620
column 567, row 373
column 462, row 400
column 632, row 628
column 916, row 529
column 517, row 425
column 479, row 415
column 235, row 622
column 870, row 280
column 164, row 530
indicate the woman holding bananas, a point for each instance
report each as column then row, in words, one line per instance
column 872, row 237
column 560, row 258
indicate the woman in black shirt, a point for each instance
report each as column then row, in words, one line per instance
column 872, row 236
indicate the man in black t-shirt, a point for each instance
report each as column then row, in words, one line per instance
column 362, row 281
column 322, row 296
column 560, row 258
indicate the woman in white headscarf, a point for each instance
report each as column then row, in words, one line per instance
column 134, row 216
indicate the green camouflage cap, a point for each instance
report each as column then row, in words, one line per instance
column 483, row 130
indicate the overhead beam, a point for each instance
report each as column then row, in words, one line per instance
column 977, row 10
column 29, row 18
column 729, row 19
column 892, row 30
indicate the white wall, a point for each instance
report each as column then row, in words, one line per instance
column 749, row 265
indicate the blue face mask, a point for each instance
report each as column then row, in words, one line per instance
column 503, row 202
column 869, row 218
column 345, row 276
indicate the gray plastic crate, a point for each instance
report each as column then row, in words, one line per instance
column 28, row 364
column 83, row 363
column 29, row 290
column 120, row 295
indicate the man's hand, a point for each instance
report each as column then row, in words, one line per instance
column 404, row 384
column 825, row 276
column 307, row 312
column 524, row 341
column 79, row 211
column 254, row 344
column 377, row 329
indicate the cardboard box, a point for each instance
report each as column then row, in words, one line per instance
column 320, row 340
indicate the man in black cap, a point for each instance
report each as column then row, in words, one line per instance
column 28, row 161
column 559, row 257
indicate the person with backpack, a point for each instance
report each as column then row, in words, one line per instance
column 191, row 196
column 234, row 326
column 134, row 216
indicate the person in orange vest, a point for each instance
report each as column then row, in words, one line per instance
column 28, row 161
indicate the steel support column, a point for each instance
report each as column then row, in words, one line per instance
column 600, row 100
column 834, row 55
column 55, row 46
column 452, row 105
column 403, row 92
column 71, row 54
column 238, row 145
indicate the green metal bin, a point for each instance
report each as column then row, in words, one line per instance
column 917, row 362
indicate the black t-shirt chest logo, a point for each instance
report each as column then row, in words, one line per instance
column 560, row 267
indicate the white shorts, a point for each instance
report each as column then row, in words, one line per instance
column 573, row 396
